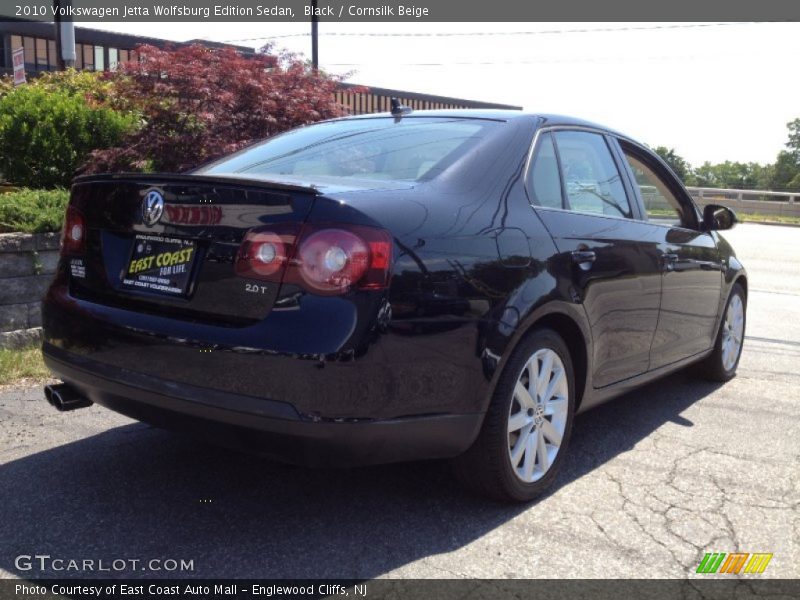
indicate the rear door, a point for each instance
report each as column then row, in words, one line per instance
column 692, row 268
column 611, row 265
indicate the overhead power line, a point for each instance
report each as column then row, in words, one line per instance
column 428, row 34
column 571, row 60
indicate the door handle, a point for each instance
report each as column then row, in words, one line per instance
column 710, row 266
column 584, row 258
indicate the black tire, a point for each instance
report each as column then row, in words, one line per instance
column 486, row 467
column 713, row 367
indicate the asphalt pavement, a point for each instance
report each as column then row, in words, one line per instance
column 654, row 480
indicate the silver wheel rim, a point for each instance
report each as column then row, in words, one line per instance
column 537, row 416
column 732, row 332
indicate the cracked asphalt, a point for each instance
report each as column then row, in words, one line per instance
column 653, row 481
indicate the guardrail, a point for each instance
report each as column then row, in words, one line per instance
column 701, row 192
column 762, row 202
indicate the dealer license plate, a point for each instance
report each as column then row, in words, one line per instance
column 160, row 264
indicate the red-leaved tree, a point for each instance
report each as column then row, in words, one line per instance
column 197, row 104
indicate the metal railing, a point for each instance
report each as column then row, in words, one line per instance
column 707, row 193
column 762, row 202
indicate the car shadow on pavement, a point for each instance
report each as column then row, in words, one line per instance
column 135, row 492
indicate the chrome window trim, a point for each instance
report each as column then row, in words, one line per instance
column 586, row 129
column 550, row 129
column 590, row 214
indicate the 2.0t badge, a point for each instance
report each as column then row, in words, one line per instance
column 152, row 207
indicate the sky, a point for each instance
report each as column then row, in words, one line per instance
column 711, row 91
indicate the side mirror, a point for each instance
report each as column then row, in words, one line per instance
column 717, row 218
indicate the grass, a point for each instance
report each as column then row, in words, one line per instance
column 32, row 211
column 757, row 218
column 22, row 364
column 744, row 218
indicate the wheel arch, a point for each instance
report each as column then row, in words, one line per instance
column 742, row 281
column 576, row 343
column 568, row 321
column 736, row 274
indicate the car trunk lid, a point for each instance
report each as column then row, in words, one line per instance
column 166, row 244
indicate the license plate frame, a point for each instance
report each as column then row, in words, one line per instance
column 160, row 264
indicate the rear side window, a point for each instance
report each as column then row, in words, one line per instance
column 410, row 149
column 544, row 180
column 592, row 181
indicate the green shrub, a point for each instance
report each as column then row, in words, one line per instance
column 6, row 85
column 33, row 211
column 47, row 132
column 96, row 86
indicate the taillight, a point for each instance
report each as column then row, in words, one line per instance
column 324, row 259
column 332, row 259
column 264, row 254
column 73, row 237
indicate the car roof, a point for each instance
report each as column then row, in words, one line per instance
column 545, row 119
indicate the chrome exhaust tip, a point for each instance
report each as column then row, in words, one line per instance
column 64, row 397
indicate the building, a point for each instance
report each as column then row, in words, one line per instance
column 98, row 50
column 95, row 50
column 376, row 99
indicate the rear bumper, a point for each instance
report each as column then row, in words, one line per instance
column 269, row 427
column 309, row 357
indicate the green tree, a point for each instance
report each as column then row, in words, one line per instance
column 784, row 171
column 705, row 176
column 736, row 175
column 787, row 166
column 794, row 139
column 677, row 163
column 783, row 174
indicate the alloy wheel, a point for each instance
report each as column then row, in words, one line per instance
column 537, row 417
column 732, row 332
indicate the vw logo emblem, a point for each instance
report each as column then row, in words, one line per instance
column 152, row 207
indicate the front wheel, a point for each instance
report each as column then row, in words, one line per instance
column 721, row 364
column 528, row 423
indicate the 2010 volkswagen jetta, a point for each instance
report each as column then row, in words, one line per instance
column 445, row 284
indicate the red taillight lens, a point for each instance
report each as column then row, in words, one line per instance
column 73, row 237
column 332, row 259
column 324, row 259
column 264, row 254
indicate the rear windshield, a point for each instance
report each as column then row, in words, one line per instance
column 408, row 149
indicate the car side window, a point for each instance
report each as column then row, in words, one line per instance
column 661, row 205
column 591, row 179
column 544, row 180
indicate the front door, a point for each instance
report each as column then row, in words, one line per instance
column 692, row 279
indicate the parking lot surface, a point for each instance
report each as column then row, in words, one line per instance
column 653, row 481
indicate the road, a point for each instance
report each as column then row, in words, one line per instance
column 653, row 481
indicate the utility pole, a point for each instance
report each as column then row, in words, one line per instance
column 314, row 36
column 65, row 36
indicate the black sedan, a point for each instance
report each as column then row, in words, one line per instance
column 448, row 284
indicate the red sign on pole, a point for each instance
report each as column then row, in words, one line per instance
column 18, row 59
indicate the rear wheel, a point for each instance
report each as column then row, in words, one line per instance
column 722, row 363
column 528, row 424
